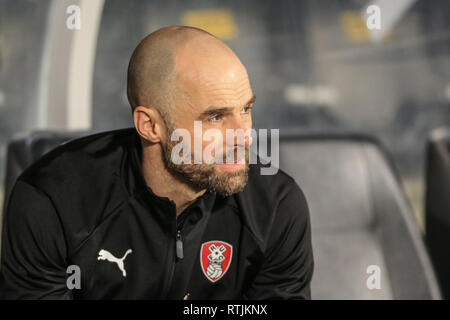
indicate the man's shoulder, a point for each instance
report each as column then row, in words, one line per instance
column 272, row 184
column 82, row 160
column 78, row 180
column 260, row 201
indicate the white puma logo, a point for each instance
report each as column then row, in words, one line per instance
column 105, row 255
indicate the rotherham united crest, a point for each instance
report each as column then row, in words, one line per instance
column 215, row 258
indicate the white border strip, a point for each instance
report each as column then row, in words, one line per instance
column 81, row 66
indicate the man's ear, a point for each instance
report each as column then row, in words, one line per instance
column 149, row 123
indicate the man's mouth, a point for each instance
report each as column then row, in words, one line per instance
column 233, row 166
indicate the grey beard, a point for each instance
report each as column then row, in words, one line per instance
column 204, row 176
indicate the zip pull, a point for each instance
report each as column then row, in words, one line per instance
column 179, row 245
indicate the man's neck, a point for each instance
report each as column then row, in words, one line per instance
column 163, row 183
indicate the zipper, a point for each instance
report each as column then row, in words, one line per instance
column 179, row 254
column 179, row 245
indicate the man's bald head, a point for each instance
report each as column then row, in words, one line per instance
column 188, row 76
column 152, row 72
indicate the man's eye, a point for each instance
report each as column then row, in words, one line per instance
column 215, row 118
column 247, row 109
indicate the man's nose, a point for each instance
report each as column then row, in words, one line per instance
column 241, row 133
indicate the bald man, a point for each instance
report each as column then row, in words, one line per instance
column 117, row 215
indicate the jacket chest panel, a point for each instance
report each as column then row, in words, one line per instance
column 130, row 256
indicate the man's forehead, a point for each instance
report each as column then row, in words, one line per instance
column 230, row 101
column 209, row 81
column 230, row 89
column 209, row 71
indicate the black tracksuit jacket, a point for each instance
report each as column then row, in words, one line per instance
column 86, row 203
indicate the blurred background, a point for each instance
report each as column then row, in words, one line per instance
column 313, row 65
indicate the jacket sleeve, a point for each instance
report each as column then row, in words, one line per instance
column 288, row 266
column 33, row 259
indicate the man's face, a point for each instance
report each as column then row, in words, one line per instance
column 218, row 94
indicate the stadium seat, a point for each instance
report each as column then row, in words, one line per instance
column 360, row 218
column 437, row 205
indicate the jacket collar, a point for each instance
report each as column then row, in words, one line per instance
column 136, row 186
